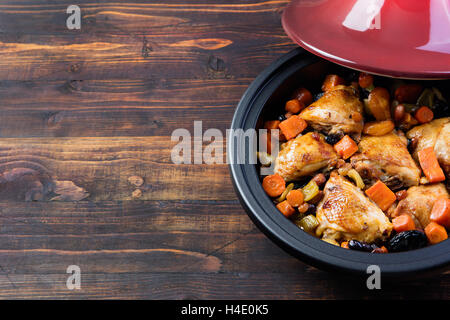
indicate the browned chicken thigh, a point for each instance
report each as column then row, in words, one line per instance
column 434, row 134
column 303, row 156
column 337, row 112
column 386, row 158
column 419, row 202
column 345, row 213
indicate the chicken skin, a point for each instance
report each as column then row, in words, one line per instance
column 337, row 112
column 435, row 134
column 386, row 158
column 345, row 213
column 419, row 202
column 303, row 156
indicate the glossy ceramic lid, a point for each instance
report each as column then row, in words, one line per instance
column 397, row 38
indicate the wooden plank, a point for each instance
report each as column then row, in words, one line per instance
column 151, row 43
column 162, row 250
column 143, row 236
column 296, row 285
column 140, row 237
column 101, row 167
column 101, row 108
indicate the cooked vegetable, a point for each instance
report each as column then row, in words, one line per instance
column 435, row 233
column 266, row 139
column 265, row 159
column 426, row 98
column 285, row 208
column 326, row 202
column 285, row 193
column 438, row 94
column 304, row 96
column 319, row 179
column 382, row 249
column 365, row 80
column 401, row 194
column 410, row 108
column 304, row 208
column 293, row 106
column 403, row 223
column 317, row 198
column 332, row 81
column 407, row 240
column 310, row 190
column 381, row 195
column 378, row 103
column 378, row 128
column 346, row 147
column 274, row 185
column 430, row 165
column 407, row 122
column 273, row 124
column 295, row 198
column 293, row 126
column 399, row 113
column 309, row 223
column 408, row 93
column 354, row 175
column 441, row 212
column 424, row 114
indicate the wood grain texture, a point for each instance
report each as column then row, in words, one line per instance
column 86, row 176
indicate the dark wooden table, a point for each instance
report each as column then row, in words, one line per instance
column 83, row 111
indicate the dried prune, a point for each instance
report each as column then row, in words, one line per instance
column 441, row 109
column 364, row 94
column 332, row 138
column 361, row 246
column 317, row 96
column 407, row 240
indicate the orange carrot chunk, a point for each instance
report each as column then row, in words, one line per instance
column 435, row 233
column 274, row 185
column 403, row 223
column 346, row 147
column 382, row 249
column 295, row 198
column 381, row 195
column 332, row 81
column 424, row 114
column 286, row 208
column 268, row 139
column 365, row 80
column 441, row 212
column 344, row 245
column 293, row 106
column 272, row 124
column 293, row 126
column 430, row 165
column 304, row 96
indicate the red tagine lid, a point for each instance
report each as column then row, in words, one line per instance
column 397, row 38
